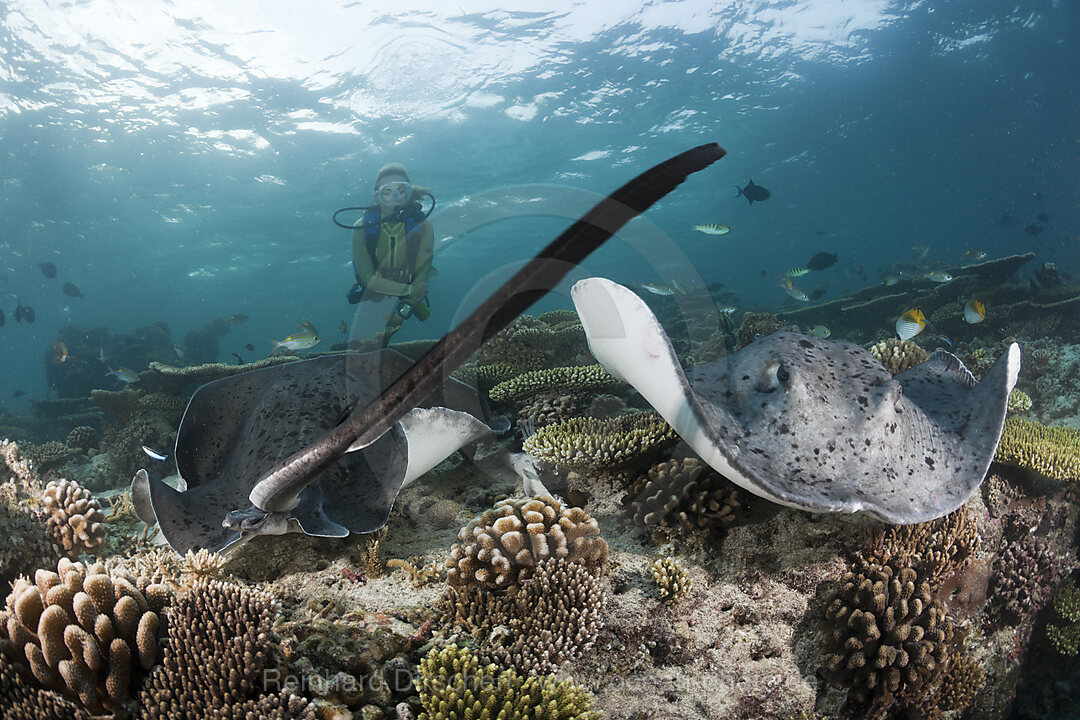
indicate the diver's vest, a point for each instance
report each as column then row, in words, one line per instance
column 372, row 227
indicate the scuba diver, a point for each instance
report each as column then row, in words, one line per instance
column 392, row 248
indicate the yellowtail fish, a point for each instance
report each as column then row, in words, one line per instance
column 938, row 277
column 975, row 254
column 796, row 272
column 124, row 374
column 657, row 288
column 712, row 229
column 910, row 324
column 299, row 341
column 974, row 312
column 819, row 331
column 796, row 293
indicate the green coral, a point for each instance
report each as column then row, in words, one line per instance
column 584, row 378
column 1064, row 635
column 591, row 444
column 1019, row 401
column 1050, row 451
column 671, row 579
column 455, row 686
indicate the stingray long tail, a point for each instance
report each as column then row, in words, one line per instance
column 364, row 425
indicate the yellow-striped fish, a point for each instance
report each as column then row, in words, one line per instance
column 974, row 312
column 796, row 272
column 910, row 324
column 938, row 276
column 298, row 341
column 712, row 229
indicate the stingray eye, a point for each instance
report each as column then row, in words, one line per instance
column 783, row 375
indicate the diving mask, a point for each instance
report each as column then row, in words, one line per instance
column 396, row 191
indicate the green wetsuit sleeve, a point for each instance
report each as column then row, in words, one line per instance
column 424, row 256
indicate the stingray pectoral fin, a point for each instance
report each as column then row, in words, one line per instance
column 434, row 433
column 988, row 404
column 188, row 520
column 140, row 498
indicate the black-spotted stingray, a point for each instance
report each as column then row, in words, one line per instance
column 809, row 423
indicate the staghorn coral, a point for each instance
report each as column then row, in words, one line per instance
column 889, row 637
column 961, row 681
column 84, row 632
column 1053, row 452
column 84, row 438
column 574, row 379
column 455, row 685
column 534, row 627
column 502, row 546
column 671, row 580
column 483, row 377
column 681, row 497
column 46, row 456
column 898, row 355
column 937, row 549
column 418, row 572
column 559, row 317
column 1022, row 576
column 214, row 658
column 73, row 517
column 1019, row 401
column 591, row 444
column 1064, row 632
column 202, row 566
column 20, row 700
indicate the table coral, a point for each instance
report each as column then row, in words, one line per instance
column 590, row 444
column 454, row 685
column 573, row 379
column 551, row 618
column 1053, row 452
column 73, row 516
column 502, row 546
column 84, row 632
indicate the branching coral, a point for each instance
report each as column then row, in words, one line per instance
column 936, row 549
column 83, row 437
column 591, row 444
column 961, row 681
column 84, row 632
column 48, row 455
column 682, row 496
column 575, row 379
column 201, row 566
column 671, row 580
column 74, row 517
column 26, row 543
column 502, row 546
column 551, row 618
column 898, row 355
column 1019, row 401
column 454, row 685
column 1064, row 632
column 20, row 700
column 1022, row 576
column 1050, row 451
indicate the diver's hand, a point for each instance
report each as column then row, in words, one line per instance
column 355, row 294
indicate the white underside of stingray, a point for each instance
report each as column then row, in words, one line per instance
column 812, row 424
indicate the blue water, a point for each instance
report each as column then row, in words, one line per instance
column 182, row 165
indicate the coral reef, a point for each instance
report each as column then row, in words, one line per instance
column 74, row 517
column 1019, row 401
column 27, row 543
column 20, row 700
column 201, row 566
column 1023, row 574
column 454, row 685
column 534, row 627
column 590, row 444
column 1053, row 452
column 898, row 355
column 672, row 580
column 574, row 379
column 1063, row 632
column 681, row 497
column 83, row 438
column 549, row 407
column 502, row 546
column 755, row 324
column 46, row 456
column 84, row 631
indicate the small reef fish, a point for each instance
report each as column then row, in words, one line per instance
column 890, row 279
column 71, row 290
column 727, row 310
column 249, row 347
column 299, row 341
column 974, row 312
column 945, row 340
column 821, row 261
column 712, row 229
column 937, row 276
column 819, row 331
column 790, row 289
column 753, row 193
column 23, row 312
column 154, row 454
column 974, row 254
column 59, row 352
column 657, row 288
column 124, row 374
column 342, row 327
column 910, row 324
column 48, row 269
column 796, row 272
column 920, row 251
column 238, row 319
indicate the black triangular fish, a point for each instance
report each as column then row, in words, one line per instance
column 821, row 261
column 752, row 192
column 48, row 270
